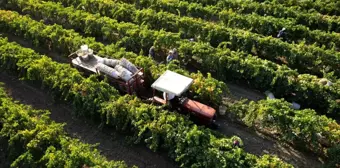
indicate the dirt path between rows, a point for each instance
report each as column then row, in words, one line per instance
column 255, row 143
column 112, row 145
column 258, row 144
column 242, row 92
column 4, row 162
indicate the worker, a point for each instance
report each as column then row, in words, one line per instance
column 170, row 98
column 85, row 53
column 175, row 53
column 236, row 143
column 325, row 82
column 282, row 34
column 170, row 57
column 152, row 52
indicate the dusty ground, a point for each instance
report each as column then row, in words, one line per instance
column 258, row 144
column 254, row 143
column 3, row 155
column 242, row 92
column 112, row 145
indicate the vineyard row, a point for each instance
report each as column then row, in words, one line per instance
column 260, row 74
column 313, row 20
column 33, row 140
column 265, row 25
column 304, row 58
column 188, row 144
column 312, row 114
column 328, row 7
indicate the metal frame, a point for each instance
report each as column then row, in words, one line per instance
column 129, row 86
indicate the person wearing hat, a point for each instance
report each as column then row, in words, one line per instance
column 152, row 52
column 172, row 100
column 175, row 53
column 282, row 34
column 170, row 57
column 236, row 143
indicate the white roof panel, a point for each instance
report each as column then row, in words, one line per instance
column 171, row 82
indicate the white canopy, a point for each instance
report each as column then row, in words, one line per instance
column 171, row 82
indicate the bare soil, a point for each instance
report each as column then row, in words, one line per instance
column 3, row 154
column 242, row 92
column 259, row 144
column 28, row 44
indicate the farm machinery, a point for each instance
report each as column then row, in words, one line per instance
column 123, row 75
column 128, row 78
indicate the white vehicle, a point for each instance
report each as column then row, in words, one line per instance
column 121, row 73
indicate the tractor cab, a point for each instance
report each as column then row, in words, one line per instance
column 175, row 85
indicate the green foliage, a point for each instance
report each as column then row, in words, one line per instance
column 154, row 126
column 266, row 47
column 188, row 144
column 36, row 141
column 303, row 128
column 224, row 64
column 310, row 18
column 266, row 25
column 329, row 7
column 334, row 156
column 67, row 41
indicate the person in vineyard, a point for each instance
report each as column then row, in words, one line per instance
column 172, row 99
column 170, row 57
column 236, row 143
column 282, row 34
column 175, row 53
column 85, row 166
column 152, row 52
